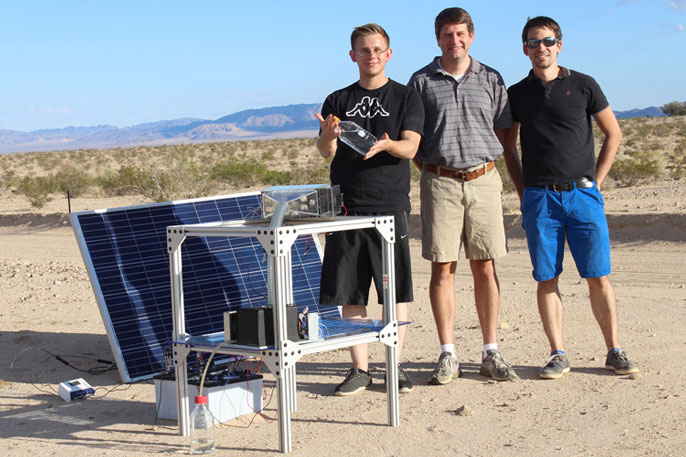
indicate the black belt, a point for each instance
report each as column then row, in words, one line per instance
column 583, row 183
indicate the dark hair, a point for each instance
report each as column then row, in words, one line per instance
column 453, row 16
column 541, row 21
column 368, row 29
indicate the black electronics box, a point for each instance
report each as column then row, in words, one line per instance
column 255, row 326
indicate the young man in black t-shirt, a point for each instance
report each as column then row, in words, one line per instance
column 376, row 183
column 559, row 184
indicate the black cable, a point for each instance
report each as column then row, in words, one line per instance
column 108, row 366
column 113, row 389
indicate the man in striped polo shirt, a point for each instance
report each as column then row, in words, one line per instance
column 466, row 115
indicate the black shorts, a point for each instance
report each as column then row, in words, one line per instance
column 354, row 257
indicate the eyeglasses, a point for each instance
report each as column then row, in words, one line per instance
column 366, row 52
column 547, row 42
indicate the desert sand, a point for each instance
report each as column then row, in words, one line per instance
column 47, row 305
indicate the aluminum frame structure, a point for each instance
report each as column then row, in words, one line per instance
column 281, row 359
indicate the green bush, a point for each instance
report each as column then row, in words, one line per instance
column 180, row 179
column 679, row 162
column 37, row 189
column 508, row 185
column 121, row 182
column 239, row 173
column 674, row 108
column 639, row 168
column 73, row 180
column 7, row 181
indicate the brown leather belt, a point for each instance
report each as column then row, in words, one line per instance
column 460, row 175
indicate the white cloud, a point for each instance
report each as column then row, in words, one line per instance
column 679, row 5
column 681, row 28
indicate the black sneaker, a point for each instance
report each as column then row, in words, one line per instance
column 618, row 361
column 555, row 367
column 404, row 383
column 355, row 382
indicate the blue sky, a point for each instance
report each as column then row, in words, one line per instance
column 91, row 62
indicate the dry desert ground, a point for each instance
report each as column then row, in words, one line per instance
column 47, row 305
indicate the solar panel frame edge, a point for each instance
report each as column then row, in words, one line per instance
column 99, row 296
column 94, row 281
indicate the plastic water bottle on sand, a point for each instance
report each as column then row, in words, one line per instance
column 202, row 427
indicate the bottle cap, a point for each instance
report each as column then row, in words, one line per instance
column 200, row 399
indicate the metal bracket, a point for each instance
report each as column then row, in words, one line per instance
column 277, row 241
column 288, row 356
column 181, row 351
column 389, row 334
column 386, row 227
column 175, row 236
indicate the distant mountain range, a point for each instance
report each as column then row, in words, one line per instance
column 289, row 121
column 265, row 123
column 651, row 111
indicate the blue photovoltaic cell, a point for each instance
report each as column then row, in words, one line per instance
column 125, row 251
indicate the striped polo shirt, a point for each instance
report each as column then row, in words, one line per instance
column 460, row 117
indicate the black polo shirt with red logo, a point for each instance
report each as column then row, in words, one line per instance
column 556, row 131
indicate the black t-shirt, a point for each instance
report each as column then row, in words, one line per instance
column 556, row 129
column 381, row 183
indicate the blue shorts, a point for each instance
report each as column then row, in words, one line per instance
column 577, row 215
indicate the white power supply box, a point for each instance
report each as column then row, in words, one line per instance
column 76, row 389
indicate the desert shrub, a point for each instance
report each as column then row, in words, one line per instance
column 663, row 129
column 630, row 143
column 121, row 182
column 239, row 173
column 508, row 185
column 37, row 189
column 679, row 161
column 46, row 161
column 292, row 153
column 179, row 179
column 74, row 180
column 643, row 130
column 316, row 174
column 674, row 108
column 415, row 174
column 7, row 180
column 639, row 168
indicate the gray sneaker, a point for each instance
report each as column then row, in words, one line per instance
column 494, row 366
column 355, row 382
column 448, row 368
column 555, row 367
column 620, row 363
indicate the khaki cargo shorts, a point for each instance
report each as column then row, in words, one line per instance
column 456, row 213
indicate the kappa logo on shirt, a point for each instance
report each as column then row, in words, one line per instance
column 368, row 107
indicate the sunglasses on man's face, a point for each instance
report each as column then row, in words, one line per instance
column 547, row 42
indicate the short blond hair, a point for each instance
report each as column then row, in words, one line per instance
column 368, row 29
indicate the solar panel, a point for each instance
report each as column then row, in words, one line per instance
column 126, row 257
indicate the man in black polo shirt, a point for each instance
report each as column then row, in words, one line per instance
column 558, row 181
